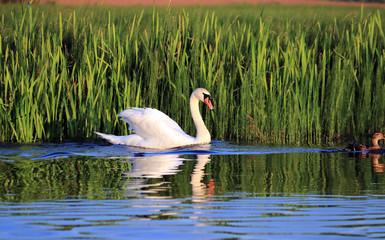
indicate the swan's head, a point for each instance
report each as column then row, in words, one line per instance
column 203, row 95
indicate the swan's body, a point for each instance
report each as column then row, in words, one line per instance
column 154, row 129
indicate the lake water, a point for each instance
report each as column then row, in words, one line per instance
column 218, row 191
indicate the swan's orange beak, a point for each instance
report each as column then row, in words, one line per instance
column 209, row 103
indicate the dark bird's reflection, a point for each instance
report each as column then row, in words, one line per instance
column 377, row 167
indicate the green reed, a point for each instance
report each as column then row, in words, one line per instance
column 277, row 74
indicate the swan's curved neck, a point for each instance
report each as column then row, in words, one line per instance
column 203, row 135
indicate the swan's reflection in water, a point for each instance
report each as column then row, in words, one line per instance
column 199, row 190
column 155, row 166
column 147, row 181
column 145, row 168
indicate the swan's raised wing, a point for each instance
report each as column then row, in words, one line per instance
column 152, row 124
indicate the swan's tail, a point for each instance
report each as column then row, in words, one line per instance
column 112, row 138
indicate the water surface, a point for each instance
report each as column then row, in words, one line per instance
column 222, row 190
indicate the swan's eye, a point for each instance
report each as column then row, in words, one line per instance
column 207, row 96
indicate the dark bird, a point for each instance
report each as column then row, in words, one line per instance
column 360, row 147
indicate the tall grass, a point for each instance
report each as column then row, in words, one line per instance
column 275, row 75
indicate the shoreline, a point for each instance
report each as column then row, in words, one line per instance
column 163, row 3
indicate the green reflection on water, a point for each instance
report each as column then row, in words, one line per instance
column 62, row 178
column 297, row 173
column 262, row 175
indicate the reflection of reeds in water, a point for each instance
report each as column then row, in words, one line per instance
column 295, row 173
column 61, row 178
column 65, row 74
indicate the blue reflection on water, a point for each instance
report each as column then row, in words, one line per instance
column 232, row 216
column 47, row 150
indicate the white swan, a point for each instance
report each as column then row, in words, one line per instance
column 154, row 129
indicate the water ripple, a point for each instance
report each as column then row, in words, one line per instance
column 46, row 150
column 250, row 217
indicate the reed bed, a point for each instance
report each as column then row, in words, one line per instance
column 278, row 74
